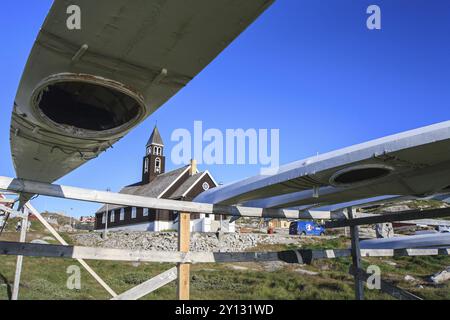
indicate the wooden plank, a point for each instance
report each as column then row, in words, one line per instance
column 356, row 256
column 19, row 262
column 184, row 235
column 184, row 241
column 290, row 256
column 65, row 192
column 386, row 287
column 149, row 286
column 391, row 217
column 64, row 243
column 10, row 210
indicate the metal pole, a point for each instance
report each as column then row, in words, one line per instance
column 356, row 257
column 23, row 235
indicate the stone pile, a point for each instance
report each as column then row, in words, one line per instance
column 167, row 241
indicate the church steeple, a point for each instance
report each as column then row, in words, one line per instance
column 155, row 138
column 154, row 160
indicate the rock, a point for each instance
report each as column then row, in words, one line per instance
column 307, row 272
column 239, row 268
column 66, row 228
column 409, row 278
column 167, row 241
column 273, row 266
column 441, row 276
column 397, row 208
column 39, row 241
column 48, row 239
column 391, row 263
column 384, row 230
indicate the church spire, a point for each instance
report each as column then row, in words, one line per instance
column 155, row 138
column 154, row 160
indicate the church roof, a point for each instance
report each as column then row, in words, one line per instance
column 155, row 138
column 154, row 189
column 179, row 193
column 170, row 185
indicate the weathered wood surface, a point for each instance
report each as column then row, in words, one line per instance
column 19, row 261
column 356, row 257
column 184, row 269
column 149, row 286
column 291, row 256
column 58, row 191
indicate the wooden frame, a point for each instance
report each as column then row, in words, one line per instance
column 184, row 257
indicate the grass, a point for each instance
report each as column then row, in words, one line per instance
column 44, row 278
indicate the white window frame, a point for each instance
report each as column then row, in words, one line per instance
column 146, row 165
column 112, row 217
column 149, row 151
column 157, row 165
column 104, row 218
column 157, row 151
column 122, row 214
column 133, row 213
column 145, row 212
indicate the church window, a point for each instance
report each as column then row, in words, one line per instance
column 157, row 151
column 158, row 165
column 146, row 165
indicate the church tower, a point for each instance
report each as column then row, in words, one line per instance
column 154, row 160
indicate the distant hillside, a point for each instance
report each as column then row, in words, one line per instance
column 59, row 218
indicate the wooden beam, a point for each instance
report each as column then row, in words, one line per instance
column 64, row 243
column 386, row 287
column 11, row 211
column 58, row 191
column 391, row 217
column 149, row 286
column 184, row 236
column 356, row 256
column 19, row 262
column 304, row 256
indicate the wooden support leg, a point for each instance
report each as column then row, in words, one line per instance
column 23, row 236
column 63, row 242
column 149, row 286
column 356, row 257
column 184, row 234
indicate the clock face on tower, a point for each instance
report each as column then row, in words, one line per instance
column 205, row 186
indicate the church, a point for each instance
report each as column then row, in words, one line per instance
column 184, row 183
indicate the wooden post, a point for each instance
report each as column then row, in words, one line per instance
column 23, row 236
column 356, row 257
column 184, row 233
column 184, row 239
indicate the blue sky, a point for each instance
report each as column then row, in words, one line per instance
column 309, row 68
